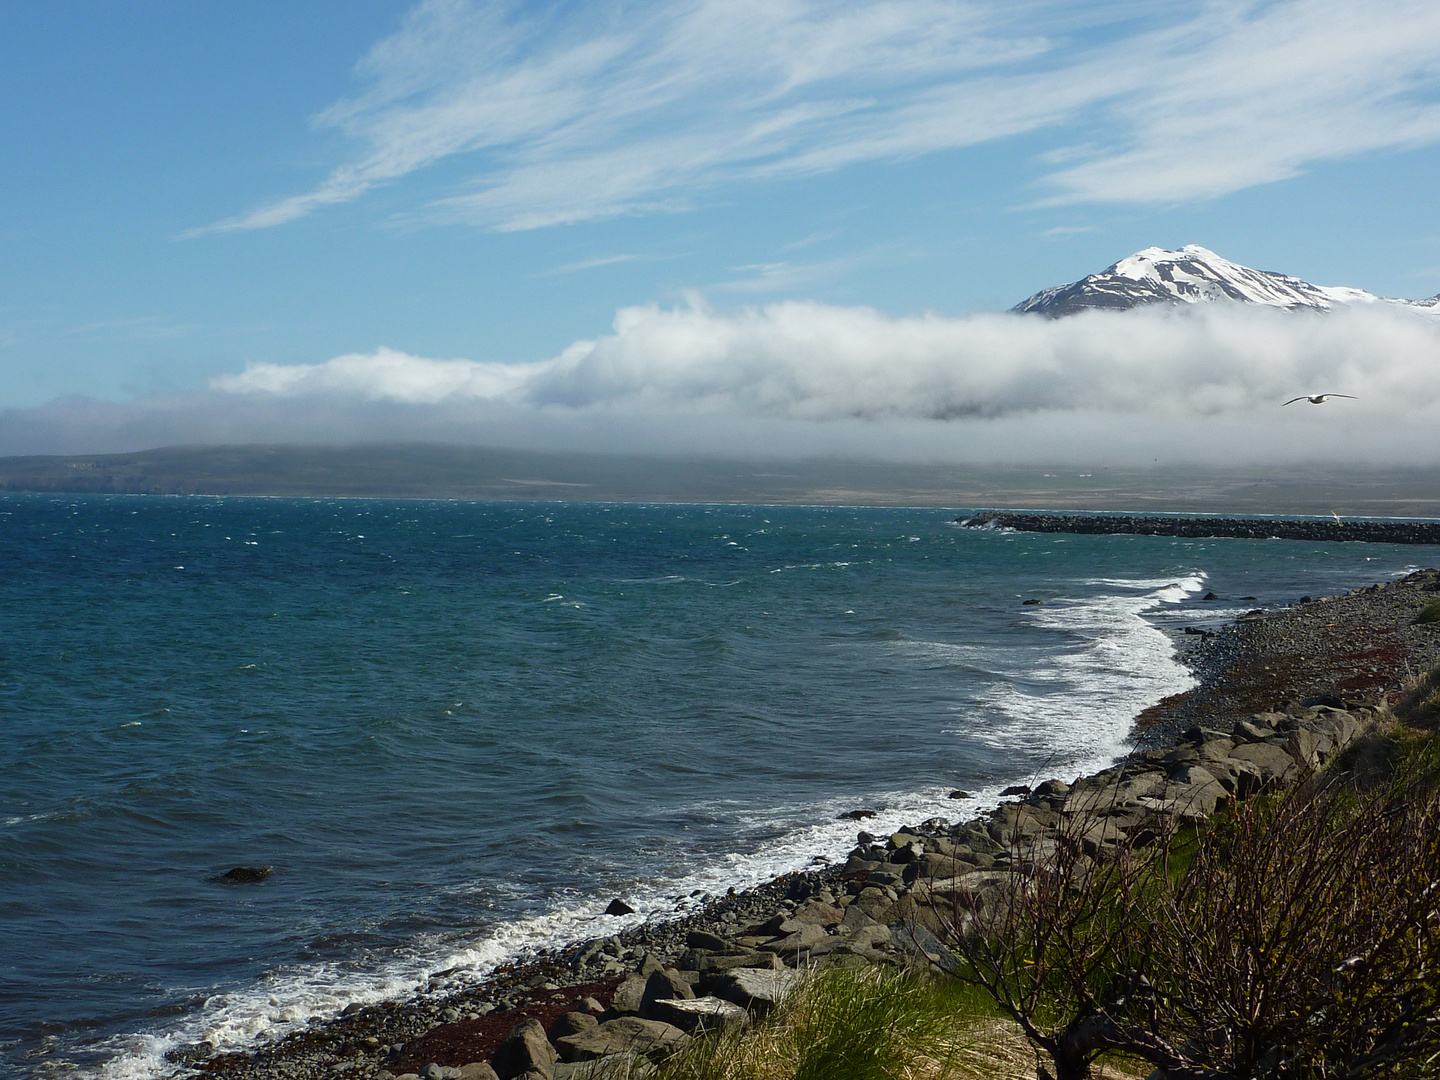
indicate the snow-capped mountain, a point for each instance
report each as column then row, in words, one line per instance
column 1195, row 275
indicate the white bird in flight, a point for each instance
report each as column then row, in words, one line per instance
column 1318, row 399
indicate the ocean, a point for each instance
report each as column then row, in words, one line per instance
column 457, row 730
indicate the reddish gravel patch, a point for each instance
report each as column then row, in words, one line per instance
column 466, row 1041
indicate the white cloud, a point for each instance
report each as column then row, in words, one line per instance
column 589, row 264
column 812, row 362
column 384, row 375
column 1250, row 93
column 573, row 113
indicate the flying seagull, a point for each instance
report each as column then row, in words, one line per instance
column 1318, row 399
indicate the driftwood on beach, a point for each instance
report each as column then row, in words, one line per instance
column 1249, row 528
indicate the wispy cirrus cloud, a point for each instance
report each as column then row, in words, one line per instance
column 141, row 328
column 589, row 264
column 568, row 112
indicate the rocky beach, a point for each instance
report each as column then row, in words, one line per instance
column 1280, row 694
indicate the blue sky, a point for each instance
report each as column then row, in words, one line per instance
column 190, row 190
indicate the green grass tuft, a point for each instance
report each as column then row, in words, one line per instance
column 866, row 1024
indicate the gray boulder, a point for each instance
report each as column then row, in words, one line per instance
column 525, row 1049
column 754, row 989
column 701, row 1014
column 1274, row 764
column 572, row 1023
column 629, row 995
column 662, row 986
column 627, row 1035
column 703, row 939
column 804, row 937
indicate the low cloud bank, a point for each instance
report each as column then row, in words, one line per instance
column 1168, row 384
column 810, row 361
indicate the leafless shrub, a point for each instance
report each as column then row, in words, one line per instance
column 1294, row 935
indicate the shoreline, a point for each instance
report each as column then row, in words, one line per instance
column 1348, row 652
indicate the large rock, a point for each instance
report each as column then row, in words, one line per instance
column 970, row 890
column 703, row 939
column 662, row 986
column 803, row 938
column 700, row 1014
column 1239, row 778
column 1275, row 765
column 1013, row 823
column 477, row 1070
column 1195, row 791
column 629, row 995
column 755, row 989
column 627, row 1035
column 1103, row 794
column 854, row 919
column 572, row 1023
column 819, row 913
column 706, row 963
column 525, row 1049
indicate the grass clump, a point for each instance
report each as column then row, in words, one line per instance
column 1430, row 613
column 866, row 1024
column 1420, row 706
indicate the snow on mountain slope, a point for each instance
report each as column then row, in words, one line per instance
column 1195, row 275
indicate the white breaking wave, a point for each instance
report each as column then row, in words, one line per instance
column 1087, row 698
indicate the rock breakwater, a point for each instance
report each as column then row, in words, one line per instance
column 1249, row 528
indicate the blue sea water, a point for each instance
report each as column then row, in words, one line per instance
column 456, row 730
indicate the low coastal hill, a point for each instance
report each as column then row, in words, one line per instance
column 439, row 471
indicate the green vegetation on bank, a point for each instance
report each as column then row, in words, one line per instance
column 866, row 1024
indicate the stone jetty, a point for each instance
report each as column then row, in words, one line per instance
column 1198, row 526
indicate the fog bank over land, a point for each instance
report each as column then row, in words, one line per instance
column 1200, row 384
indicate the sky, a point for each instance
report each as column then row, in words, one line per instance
column 710, row 226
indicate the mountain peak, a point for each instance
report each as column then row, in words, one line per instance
column 1192, row 275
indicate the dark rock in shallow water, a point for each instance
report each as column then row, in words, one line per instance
column 856, row 815
column 241, row 875
column 619, row 907
column 1015, row 789
column 1033, row 601
column 961, row 795
column 1210, row 596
